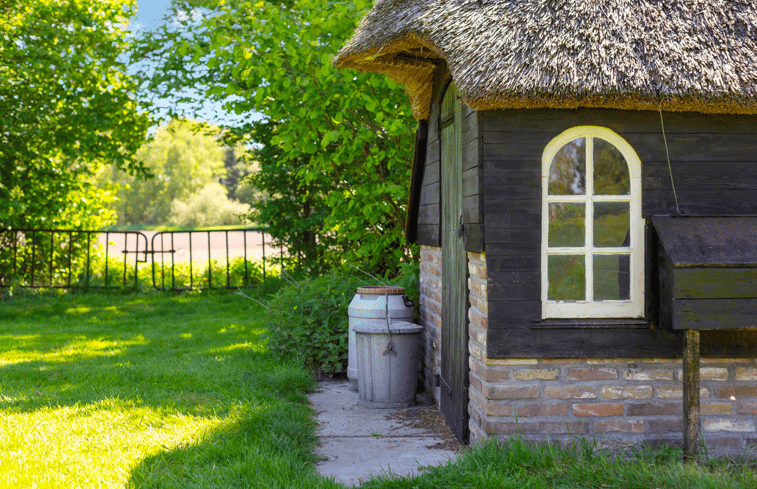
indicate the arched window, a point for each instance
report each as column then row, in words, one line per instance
column 592, row 230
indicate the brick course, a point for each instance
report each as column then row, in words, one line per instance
column 430, row 313
column 618, row 404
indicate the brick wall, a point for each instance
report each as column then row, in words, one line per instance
column 619, row 402
column 431, row 316
column 477, row 330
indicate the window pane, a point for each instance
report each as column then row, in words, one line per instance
column 612, row 224
column 612, row 277
column 566, row 224
column 567, row 280
column 567, row 172
column 610, row 170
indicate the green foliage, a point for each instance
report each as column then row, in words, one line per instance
column 181, row 275
column 208, row 207
column 334, row 146
column 187, row 161
column 66, row 107
column 308, row 319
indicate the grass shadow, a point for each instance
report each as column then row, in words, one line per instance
column 149, row 390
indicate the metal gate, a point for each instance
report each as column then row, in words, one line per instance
column 166, row 260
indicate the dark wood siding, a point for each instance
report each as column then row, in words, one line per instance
column 714, row 166
column 708, row 272
column 473, row 218
column 429, row 203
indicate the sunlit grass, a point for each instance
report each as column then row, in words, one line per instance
column 148, row 390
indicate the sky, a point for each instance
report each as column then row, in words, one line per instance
column 150, row 14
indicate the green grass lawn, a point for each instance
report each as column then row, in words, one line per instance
column 162, row 390
column 520, row 465
column 148, row 390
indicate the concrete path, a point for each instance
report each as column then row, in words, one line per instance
column 358, row 442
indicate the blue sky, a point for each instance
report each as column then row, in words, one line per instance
column 150, row 12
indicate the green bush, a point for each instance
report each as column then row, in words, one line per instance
column 210, row 206
column 308, row 320
column 183, row 275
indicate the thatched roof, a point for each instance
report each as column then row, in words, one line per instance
column 698, row 55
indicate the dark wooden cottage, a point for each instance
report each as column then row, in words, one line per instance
column 565, row 150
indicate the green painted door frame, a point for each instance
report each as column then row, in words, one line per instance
column 454, row 370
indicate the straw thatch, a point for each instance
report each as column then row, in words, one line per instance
column 698, row 55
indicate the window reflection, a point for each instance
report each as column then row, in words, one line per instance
column 610, row 170
column 612, row 223
column 567, row 278
column 566, row 224
column 567, row 173
column 612, row 277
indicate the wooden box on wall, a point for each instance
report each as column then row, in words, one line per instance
column 707, row 272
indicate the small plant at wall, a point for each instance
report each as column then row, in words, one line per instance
column 309, row 320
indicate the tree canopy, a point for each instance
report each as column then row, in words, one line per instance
column 66, row 107
column 194, row 179
column 182, row 159
column 334, row 146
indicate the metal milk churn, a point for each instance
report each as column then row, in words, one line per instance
column 369, row 307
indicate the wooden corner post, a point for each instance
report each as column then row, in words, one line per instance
column 691, row 427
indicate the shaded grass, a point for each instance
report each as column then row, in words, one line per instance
column 148, row 390
column 519, row 464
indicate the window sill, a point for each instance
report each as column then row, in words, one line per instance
column 591, row 324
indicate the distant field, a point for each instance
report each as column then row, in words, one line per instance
column 202, row 249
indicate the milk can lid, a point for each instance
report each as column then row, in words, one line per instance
column 381, row 290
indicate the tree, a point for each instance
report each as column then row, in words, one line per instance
column 66, row 107
column 183, row 159
column 335, row 146
column 210, row 206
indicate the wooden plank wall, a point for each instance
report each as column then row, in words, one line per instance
column 429, row 205
column 429, row 208
column 714, row 166
column 473, row 219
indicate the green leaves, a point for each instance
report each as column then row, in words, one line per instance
column 329, row 140
column 308, row 320
column 67, row 106
column 185, row 159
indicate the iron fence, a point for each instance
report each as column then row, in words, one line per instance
column 170, row 260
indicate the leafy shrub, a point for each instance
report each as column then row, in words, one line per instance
column 308, row 319
column 182, row 276
column 211, row 206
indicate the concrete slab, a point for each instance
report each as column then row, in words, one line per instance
column 357, row 442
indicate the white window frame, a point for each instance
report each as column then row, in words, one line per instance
column 589, row 308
